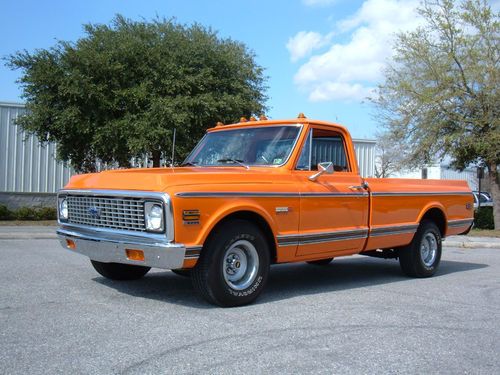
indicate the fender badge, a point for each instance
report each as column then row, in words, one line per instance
column 282, row 210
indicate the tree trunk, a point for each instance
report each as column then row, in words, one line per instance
column 495, row 193
column 156, row 158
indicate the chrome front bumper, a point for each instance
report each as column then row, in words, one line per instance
column 111, row 248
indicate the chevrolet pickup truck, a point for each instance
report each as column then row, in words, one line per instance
column 252, row 194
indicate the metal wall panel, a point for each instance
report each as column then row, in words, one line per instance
column 26, row 165
column 365, row 154
column 468, row 175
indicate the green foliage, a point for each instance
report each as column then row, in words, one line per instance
column 440, row 95
column 483, row 218
column 119, row 91
column 5, row 213
column 28, row 213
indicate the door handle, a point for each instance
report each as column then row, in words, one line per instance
column 363, row 186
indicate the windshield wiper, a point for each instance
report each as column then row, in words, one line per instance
column 189, row 163
column 235, row 161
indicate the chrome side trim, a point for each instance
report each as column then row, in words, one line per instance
column 393, row 229
column 306, row 239
column 245, row 194
column 419, row 193
column 229, row 194
column 460, row 223
column 193, row 252
column 354, row 234
column 163, row 197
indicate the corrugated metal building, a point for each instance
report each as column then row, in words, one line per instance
column 28, row 167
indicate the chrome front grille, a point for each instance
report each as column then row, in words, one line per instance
column 124, row 213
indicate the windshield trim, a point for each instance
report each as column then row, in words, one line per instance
column 299, row 133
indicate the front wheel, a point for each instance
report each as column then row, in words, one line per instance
column 233, row 266
column 422, row 256
column 119, row 271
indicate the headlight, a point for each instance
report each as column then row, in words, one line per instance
column 63, row 209
column 153, row 213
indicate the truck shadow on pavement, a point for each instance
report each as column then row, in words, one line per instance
column 285, row 280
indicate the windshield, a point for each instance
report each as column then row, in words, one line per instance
column 268, row 146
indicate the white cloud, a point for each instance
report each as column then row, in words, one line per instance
column 349, row 70
column 303, row 43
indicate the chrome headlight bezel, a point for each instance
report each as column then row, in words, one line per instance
column 62, row 209
column 154, row 216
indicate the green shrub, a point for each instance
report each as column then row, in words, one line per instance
column 483, row 218
column 25, row 213
column 46, row 213
column 5, row 213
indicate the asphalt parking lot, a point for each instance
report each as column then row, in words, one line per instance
column 357, row 315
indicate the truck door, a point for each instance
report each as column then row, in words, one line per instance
column 334, row 208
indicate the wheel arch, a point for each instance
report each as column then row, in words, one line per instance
column 435, row 214
column 252, row 217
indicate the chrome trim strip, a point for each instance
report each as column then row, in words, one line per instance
column 228, row 194
column 193, row 252
column 393, row 229
column 303, row 239
column 245, row 194
column 164, row 197
column 460, row 223
column 419, row 193
column 308, row 239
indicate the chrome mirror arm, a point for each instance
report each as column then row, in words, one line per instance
column 326, row 167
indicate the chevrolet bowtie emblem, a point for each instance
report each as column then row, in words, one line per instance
column 94, row 212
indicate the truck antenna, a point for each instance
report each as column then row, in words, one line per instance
column 173, row 147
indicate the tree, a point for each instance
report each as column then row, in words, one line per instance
column 388, row 156
column 120, row 90
column 440, row 93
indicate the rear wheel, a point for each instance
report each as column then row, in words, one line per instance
column 422, row 256
column 320, row 262
column 233, row 266
column 119, row 271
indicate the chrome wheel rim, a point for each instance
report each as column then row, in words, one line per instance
column 429, row 249
column 240, row 265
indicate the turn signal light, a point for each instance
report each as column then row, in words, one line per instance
column 262, row 118
column 133, row 254
column 301, row 115
column 243, row 119
column 71, row 244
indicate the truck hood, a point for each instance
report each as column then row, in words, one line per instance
column 161, row 179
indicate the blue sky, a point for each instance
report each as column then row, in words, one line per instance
column 322, row 57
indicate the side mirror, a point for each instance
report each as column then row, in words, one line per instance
column 326, row 167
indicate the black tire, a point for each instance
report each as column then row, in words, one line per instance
column 320, row 262
column 414, row 259
column 182, row 272
column 119, row 271
column 212, row 270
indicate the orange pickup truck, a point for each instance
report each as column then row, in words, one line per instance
column 253, row 194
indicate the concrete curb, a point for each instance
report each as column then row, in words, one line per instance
column 471, row 244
